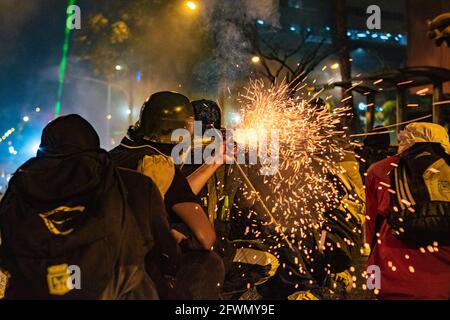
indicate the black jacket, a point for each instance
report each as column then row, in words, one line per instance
column 71, row 206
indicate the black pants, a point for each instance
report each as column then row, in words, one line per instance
column 200, row 277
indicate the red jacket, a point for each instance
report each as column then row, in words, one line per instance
column 406, row 273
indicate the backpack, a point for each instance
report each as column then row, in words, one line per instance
column 67, row 231
column 420, row 200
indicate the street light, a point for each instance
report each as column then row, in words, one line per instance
column 256, row 59
column 26, row 118
column 335, row 66
column 118, row 67
column 191, row 5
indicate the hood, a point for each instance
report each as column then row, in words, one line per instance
column 67, row 135
column 69, row 164
column 423, row 132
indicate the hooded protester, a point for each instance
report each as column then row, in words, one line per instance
column 67, row 228
column 407, row 225
column 148, row 149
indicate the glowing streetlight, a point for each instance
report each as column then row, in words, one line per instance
column 38, row 109
column 109, row 117
column 26, row 118
column 256, row 59
column 118, row 67
column 191, row 5
column 334, row 66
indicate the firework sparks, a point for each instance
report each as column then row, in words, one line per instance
column 309, row 147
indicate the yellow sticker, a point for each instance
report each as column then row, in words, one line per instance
column 4, row 276
column 57, row 279
column 60, row 220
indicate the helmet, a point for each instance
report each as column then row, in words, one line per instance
column 162, row 113
column 209, row 113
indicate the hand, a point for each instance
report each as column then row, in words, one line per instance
column 224, row 155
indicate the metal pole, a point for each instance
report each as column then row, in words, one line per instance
column 370, row 112
column 437, row 96
column 108, row 112
column 272, row 218
column 401, row 106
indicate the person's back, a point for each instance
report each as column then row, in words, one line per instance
column 407, row 271
column 67, row 231
column 164, row 256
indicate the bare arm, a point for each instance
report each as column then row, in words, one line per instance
column 195, row 218
column 198, row 179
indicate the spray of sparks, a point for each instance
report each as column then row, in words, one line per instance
column 312, row 142
column 309, row 147
column 303, row 188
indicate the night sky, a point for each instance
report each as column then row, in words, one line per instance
column 31, row 44
column 30, row 52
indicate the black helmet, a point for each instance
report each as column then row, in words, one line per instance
column 209, row 113
column 162, row 113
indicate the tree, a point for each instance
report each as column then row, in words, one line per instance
column 158, row 38
column 285, row 61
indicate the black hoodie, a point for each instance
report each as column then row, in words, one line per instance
column 68, row 206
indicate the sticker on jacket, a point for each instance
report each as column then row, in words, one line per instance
column 62, row 220
column 4, row 276
column 58, row 279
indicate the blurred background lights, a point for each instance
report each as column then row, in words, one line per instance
column 12, row 150
column 35, row 147
column 235, row 118
column 334, row 66
column 7, row 134
column 191, row 5
column 256, row 59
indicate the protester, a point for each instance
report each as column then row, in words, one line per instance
column 407, row 222
column 222, row 196
column 68, row 208
column 148, row 150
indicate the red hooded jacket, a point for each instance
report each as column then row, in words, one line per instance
column 406, row 273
